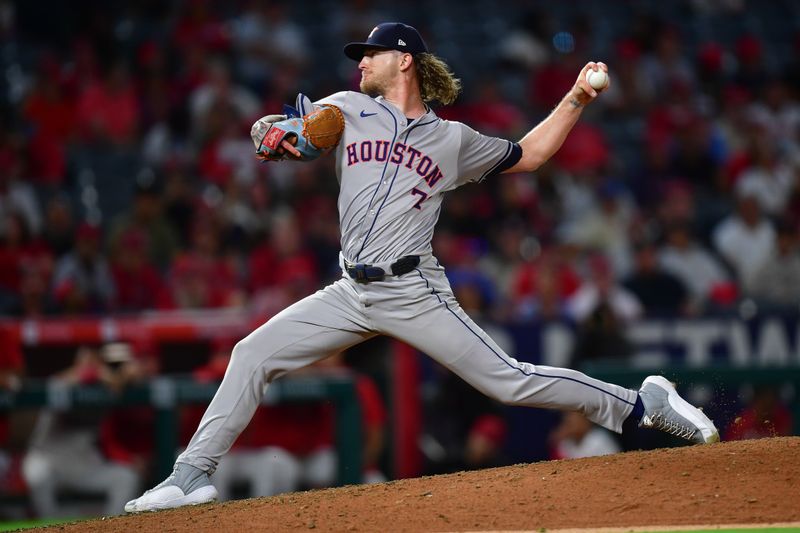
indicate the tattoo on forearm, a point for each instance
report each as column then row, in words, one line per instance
column 575, row 103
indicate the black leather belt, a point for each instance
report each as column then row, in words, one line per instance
column 364, row 273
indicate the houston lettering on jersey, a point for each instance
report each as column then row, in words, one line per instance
column 402, row 154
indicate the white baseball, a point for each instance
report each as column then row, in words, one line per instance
column 598, row 79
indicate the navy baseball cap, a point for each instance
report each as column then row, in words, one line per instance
column 388, row 36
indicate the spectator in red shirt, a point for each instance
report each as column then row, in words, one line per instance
column 204, row 276
column 48, row 108
column 489, row 112
column 199, row 24
column 584, row 151
column 284, row 260
column 108, row 110
column 752, row 71
column 51, row 113
column 20, row 255
column 139, row 285
column 549, row 83
column 35, row 299
column 541, row 287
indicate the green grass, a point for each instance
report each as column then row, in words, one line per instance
column 28, row 524
column 738, row 530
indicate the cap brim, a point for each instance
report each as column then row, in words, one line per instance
column 355, row 51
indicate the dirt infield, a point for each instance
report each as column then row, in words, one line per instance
column 749, row 482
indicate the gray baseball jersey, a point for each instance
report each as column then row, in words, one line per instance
column 393, row 173
column 409, row 165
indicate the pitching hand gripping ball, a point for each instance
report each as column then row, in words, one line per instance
column 597, row 79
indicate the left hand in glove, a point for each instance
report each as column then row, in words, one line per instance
column 277, row 137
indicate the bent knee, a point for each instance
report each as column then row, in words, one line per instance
column 245, row 353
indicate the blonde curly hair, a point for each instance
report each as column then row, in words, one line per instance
column 436, row 80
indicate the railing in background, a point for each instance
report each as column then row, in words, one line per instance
column 166, row 395
column 763, row 340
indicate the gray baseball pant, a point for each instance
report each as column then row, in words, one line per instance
column 417, row 308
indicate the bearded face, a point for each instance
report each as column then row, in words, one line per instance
column 373, row 85
column 378, row 70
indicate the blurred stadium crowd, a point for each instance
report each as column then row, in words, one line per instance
column 128, row 179
column 128, row 182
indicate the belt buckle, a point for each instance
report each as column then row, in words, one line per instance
column 360, row 270
column 363, row 273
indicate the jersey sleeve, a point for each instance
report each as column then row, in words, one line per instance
column 339, row 99
column 480, row 156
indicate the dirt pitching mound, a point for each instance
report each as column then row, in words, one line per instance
column 749, row 482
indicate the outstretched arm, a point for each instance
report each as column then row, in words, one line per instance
column 546, row 138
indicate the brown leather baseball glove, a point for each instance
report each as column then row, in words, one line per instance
column 311, row 135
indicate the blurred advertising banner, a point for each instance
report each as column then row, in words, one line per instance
column 772, row 341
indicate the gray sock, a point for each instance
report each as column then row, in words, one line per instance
column 190, row 478
column 186, row 477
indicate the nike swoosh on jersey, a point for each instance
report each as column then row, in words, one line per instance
column 365, row 114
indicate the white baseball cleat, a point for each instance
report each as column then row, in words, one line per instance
column 186, row 485
column 664, row 409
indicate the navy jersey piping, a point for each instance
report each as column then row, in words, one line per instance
column 510, row 158
column 397, row 169
column 539, row 374
column 421, row 124
column 385, row 165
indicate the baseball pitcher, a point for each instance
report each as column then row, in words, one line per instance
column 395, row 159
